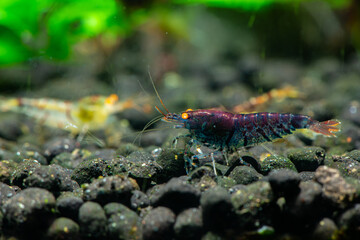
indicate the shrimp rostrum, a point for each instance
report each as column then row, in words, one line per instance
column 228, row 132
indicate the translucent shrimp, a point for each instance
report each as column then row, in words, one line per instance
column 89, row 113
column 275, row 94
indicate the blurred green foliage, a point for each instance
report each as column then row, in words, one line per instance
column 49, row 29
column 256, row 4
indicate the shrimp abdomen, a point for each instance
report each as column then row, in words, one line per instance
column 262, row 127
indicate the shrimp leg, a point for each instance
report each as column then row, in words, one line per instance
column 176, row 139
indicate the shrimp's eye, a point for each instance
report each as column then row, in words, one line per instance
column 189, row 109
column 184, row 115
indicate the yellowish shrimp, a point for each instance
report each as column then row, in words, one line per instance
column 275, row 94
column 88, row 113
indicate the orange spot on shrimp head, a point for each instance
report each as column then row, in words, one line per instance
column 111, row 99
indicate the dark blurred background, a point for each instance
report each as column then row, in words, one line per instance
column 74, row 48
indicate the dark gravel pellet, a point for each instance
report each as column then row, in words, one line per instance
column 306, row 176
column 177, row 195
column 171, row 162
column 111, row 189
column 58, row 145
column 325, row 229
column 276, row 162
column 88, row 170
column 139, row 200
column 158, row 224
column 347, row 166
column 71, row 160
column 63, row 228
column 10, row 126
column 284, row 182
column 211, row 236
column 22, row 171
column 6, row 192
column 22, row 154
column 204, row 183
column 217, row 210
column 122, row 222
column 226, row 182
column 307, row 159
column 254, row 204
column 355, row 155
column 236, row 188
column 31, row 210
column 140, row 155
column 126, row 149
column 53, row 178
column 350, row 221
column 141, row 166
column 69, row 206
column 91, row 169
column 334, row 187
column 7, row 169
column 92, row 221
column 303, row 211
column 189, row 224
column 245, row 175
column 65, row 160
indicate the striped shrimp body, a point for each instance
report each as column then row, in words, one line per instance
column 227, row 131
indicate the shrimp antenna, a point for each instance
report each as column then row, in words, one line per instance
column 158, row 109
column 161, row 101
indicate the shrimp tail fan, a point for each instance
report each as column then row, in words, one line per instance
column 326, row 128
